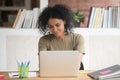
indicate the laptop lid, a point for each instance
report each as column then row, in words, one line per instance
column 59, row 63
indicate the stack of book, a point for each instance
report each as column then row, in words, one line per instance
column 104, row 17
column 108, row 73
column 27, row 18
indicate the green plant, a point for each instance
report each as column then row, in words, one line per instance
column 78, row 16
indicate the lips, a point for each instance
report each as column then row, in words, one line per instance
column 56, row 34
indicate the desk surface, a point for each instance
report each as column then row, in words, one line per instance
column 82, row 76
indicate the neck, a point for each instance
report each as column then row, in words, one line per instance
column 62, row 37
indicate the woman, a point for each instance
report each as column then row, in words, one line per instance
column 58, row 21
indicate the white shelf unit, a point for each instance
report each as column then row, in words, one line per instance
column 101, row 47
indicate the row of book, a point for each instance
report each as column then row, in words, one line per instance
column 104, row 17
column 26, row 18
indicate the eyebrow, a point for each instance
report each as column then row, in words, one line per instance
column 54, row 24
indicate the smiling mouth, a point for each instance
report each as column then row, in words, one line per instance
column 55, row 33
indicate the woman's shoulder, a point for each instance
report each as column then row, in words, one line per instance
column 47, row 37
column 75, row 35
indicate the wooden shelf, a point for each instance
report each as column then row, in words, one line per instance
column 7, row 11
column 14, row 8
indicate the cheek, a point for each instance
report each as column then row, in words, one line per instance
column 62, row 28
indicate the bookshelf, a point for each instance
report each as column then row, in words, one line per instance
column 9, row 9
column 81, row 5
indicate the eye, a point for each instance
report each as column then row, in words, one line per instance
column 58, row 24
column 50, row 26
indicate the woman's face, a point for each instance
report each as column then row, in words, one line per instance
column 57, row 27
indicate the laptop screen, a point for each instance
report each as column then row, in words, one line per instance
column 59, row 63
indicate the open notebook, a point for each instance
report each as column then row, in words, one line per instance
column 59, row 63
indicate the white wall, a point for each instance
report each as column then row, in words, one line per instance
column 43, row 4
column 101, row 47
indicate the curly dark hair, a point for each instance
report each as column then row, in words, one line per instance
column 58, row 11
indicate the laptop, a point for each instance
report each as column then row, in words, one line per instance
column 59, row 63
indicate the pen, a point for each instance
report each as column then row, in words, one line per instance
column 28, row 63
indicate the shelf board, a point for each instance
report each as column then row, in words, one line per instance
column 11, row 8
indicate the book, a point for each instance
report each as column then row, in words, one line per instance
column 17, row 17
column 16, row 74
column 21, row 19
column 110, row 13
column 106, row 73
column 36, row 12
column 28, row 19
column 105, row 18
column 99, row 17
column 111, row 76
column 96, row 19
column 91, row 17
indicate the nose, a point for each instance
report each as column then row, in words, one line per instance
column 54, row 29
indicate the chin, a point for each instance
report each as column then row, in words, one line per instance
column 57, row 35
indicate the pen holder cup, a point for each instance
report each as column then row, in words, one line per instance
column 23, row 71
